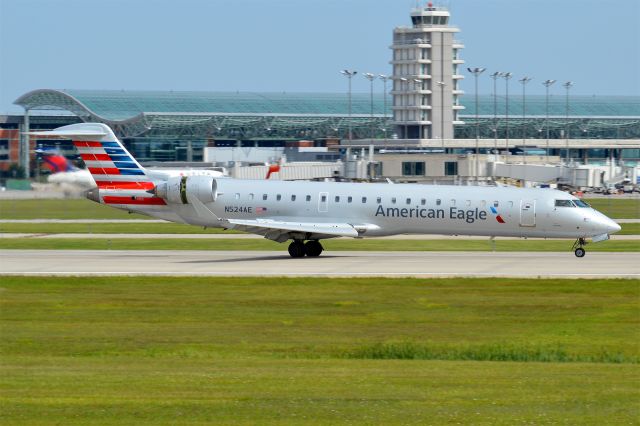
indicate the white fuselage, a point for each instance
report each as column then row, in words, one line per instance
column 387, row 209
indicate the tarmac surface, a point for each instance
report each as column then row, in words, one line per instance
column 330, row 264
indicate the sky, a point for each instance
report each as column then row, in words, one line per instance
column 301, row 45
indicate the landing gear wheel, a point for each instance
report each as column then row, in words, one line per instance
column 296, row 249
column 577, row 246
column 313, row 248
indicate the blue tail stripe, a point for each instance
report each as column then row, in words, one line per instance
column 111, row 144
column 130, row 172
column 121, row 158
column 115, row 151
column 125, row 165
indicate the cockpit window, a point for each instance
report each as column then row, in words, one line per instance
column 564, row 203
column 581, row 203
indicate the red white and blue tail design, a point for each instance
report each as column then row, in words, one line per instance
column 121, row 180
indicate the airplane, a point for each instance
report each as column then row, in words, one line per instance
column 308, row 212
column 64, row 172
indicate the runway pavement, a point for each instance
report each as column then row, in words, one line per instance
column 333, row 264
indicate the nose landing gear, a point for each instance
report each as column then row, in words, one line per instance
column 311, row 248
column 578, row 247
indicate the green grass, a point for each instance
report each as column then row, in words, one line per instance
column 124, row 350
column 156, row 228
column 330, row 245
column 108, row 228
column 617, row 208
column 61, row 209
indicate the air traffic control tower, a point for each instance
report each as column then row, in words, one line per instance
column 425, row 77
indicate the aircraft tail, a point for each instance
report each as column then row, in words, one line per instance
column 55, row 162
column 120, row 179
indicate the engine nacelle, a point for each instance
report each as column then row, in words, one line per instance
column 183, row 189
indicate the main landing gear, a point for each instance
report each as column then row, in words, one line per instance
column 311, row 248
column 578, row 247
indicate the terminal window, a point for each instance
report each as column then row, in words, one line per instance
column 4, row 149
column 450, row 168
column 413, row 168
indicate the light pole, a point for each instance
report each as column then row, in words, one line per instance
column 495, row 76
column 567, row 86
column 370, row 77
column 547, row 84
column 507, row 76
column 442, row 85
column 349, row 74
column 524, row 81
column 476, row 73
column 384, row 79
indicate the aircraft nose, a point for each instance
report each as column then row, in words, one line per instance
column 613, row 227
column 606, row 225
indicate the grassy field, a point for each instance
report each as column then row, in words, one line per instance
column 61, row 209
column 156, row 228
column 617, row 208
column 318, row 351
column 84, row 209
column 330, row 245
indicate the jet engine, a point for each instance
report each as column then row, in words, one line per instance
column 183, row 189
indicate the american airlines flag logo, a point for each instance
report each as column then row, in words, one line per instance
column 261, row 209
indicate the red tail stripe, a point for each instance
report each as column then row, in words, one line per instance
column 146, row 201
column 105, row 171
column 107, row 184
column 500, row 219
column 95, row 157
column 87, row 144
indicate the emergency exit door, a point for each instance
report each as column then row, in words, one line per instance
column 528, row 213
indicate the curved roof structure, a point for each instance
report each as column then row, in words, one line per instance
column 243, row 114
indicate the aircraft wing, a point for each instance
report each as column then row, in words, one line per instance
column 280, row 231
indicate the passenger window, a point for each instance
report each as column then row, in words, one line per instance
column 379, row 200
column 510, row 203
column 364, row 200
column 264, row 197
column 251, row 196
column 468, row 203
column 393, row 200
column 564, row 203
column 337, row 199
column 423, row 201
column 438, row 202
column 408, row 200
column 453, row 202
column 293, row 198
column 237, row 195
column 308, row 198
column 278, row 197
column 496, row 204
column 349, row 199
column 323, row 198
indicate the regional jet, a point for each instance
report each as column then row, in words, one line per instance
column 308, row 212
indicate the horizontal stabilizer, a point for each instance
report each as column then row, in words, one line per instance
column 83, row 131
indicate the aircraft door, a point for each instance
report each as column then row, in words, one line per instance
column 528, row 213
column 323, row 202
